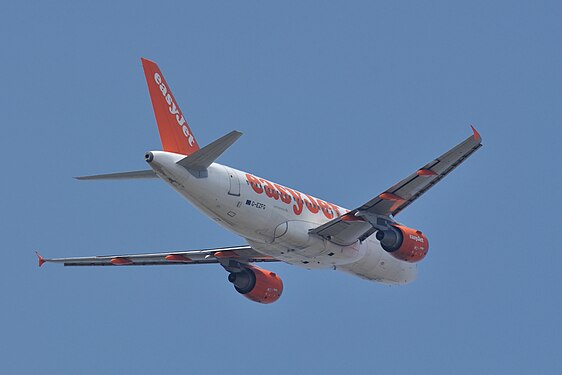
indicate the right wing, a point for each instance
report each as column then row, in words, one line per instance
column 360, row 223
column 393, row 200
column 240, row 254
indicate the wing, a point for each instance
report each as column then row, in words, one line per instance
column 242, row 254
column 352, row 226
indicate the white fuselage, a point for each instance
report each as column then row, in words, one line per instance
column 275, row 220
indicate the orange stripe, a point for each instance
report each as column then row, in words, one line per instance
column 178, row 258
column 121, row 261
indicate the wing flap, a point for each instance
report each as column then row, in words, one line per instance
column 342, row 232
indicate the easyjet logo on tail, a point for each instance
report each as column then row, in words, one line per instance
column 173, row 108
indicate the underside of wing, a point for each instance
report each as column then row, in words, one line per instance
column 393, row 200
column 344, row 230
column 241, row 254
column 360, row 223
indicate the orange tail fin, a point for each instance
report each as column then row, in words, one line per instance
column 175, row 134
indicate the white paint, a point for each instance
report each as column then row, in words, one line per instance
column 276, row 230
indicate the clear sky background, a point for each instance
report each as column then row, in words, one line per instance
column 337, row 99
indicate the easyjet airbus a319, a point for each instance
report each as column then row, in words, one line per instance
column 277, row 222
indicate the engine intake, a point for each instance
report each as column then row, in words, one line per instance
column 257, row 284
column 404, row 243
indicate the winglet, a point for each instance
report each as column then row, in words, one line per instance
column 477, row 136
column 40, row 258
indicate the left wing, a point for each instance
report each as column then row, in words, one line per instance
column 240, row 254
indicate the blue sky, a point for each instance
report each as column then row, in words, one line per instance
column 338, row 99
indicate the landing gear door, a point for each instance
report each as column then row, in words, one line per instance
column 234, row 182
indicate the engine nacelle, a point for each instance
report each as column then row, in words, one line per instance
column 257, row 284
column 404, row 243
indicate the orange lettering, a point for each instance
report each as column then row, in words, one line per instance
column 297, row 208
column 270, row 190
column 254, row 183
column 335, row 208
column 311, row 205
column 325, row 207
column 283, row 193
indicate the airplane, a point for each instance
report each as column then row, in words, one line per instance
column 278, row 223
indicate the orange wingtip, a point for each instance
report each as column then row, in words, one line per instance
column 178, row 258
column 40, row 258
column 121, row 261
column 476, row 134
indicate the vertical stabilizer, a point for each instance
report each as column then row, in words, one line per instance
column 175, row 134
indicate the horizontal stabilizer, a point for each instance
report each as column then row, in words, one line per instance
column 201, row 159
column 135, row 175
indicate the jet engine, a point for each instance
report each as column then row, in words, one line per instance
column 404, row 243
column 257, row 284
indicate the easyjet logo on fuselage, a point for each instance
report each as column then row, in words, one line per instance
column 288, row 196
column 173, row 108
